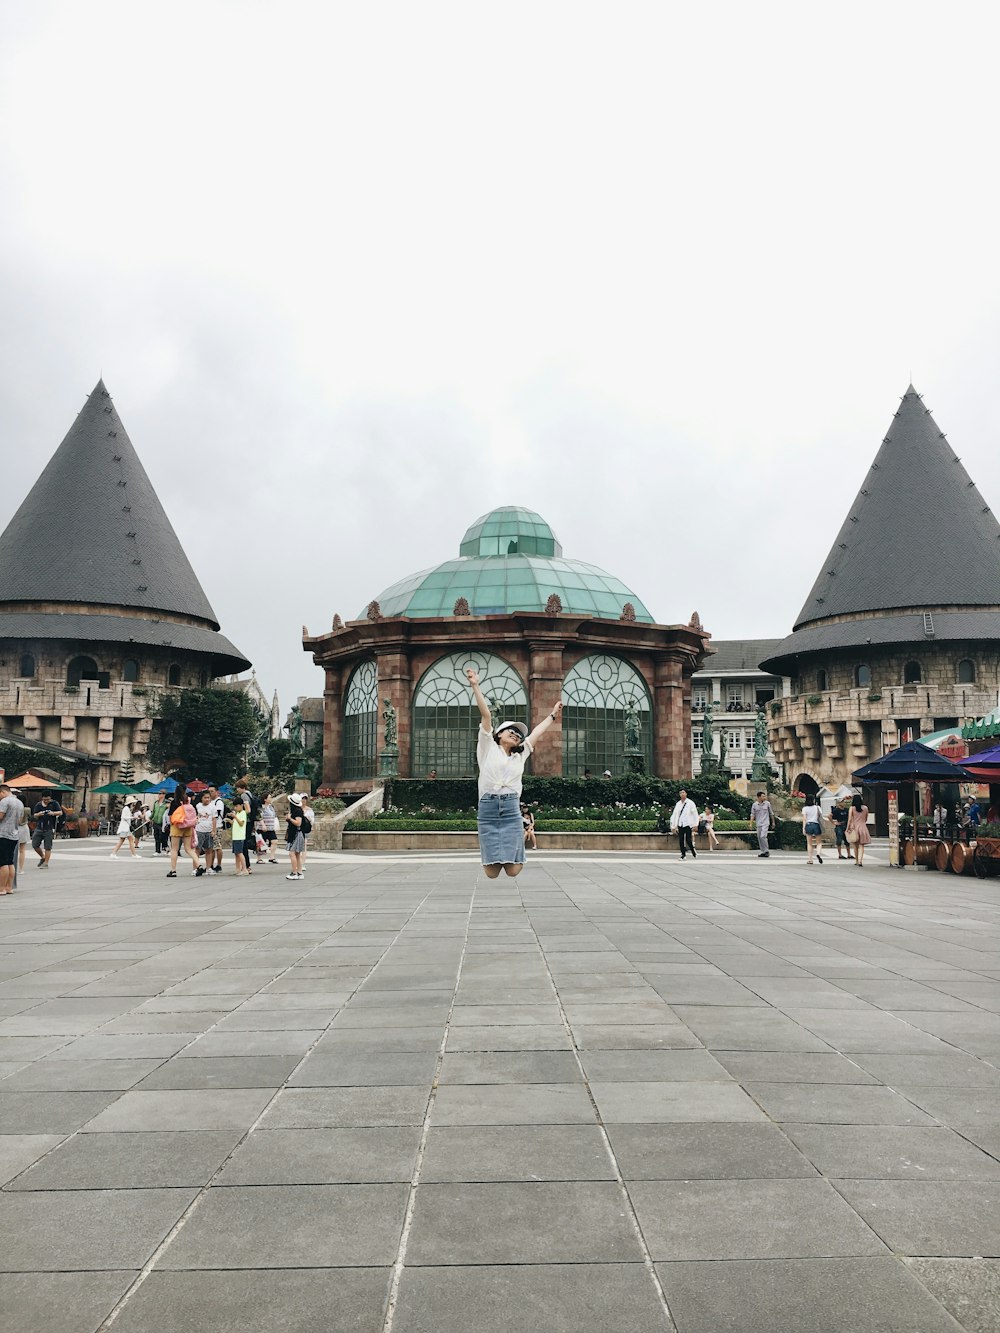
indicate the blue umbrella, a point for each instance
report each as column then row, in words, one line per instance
column 227, row 789
column 912, row 762
column 167, row 785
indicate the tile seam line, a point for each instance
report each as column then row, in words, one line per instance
column 647, row 1257
column 188, row 1212
column 399, row 1264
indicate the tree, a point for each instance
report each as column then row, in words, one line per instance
column 203, row 733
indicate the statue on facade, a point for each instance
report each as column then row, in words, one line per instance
column 337, row 622
column 706, row 731
column 723, row 752
column 296, row 729
column 632, row 726
column 760, row 734
column 391, row 729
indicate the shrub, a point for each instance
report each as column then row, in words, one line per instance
column 632, row 789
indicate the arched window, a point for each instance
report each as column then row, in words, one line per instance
column 821, row 681
column 173, row 674
column 361, row 722
column 966, row 672
column 130, row 669
column 911, row 673
column 603, row 697
column 445, row 716
column 203, row 677
column 81, row 668
column 27, row 666
column 862, row 676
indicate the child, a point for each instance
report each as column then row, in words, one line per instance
column 239, row 837
column 528, row 820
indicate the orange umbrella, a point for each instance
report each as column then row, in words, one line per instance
column 30, row 779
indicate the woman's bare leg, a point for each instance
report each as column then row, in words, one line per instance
column 514, row 869
column 492, row 872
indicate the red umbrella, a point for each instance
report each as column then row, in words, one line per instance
column 197, row 785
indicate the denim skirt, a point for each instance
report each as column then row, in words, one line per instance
column 501, row 832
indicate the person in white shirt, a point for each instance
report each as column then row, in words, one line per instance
column 502, row 752
column 205, row 829
column 812, row 827
column 683, row 822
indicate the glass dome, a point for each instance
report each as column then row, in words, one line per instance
column 510, row 561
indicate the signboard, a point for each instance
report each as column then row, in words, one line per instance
column 893, row 827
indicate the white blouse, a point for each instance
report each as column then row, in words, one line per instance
column 499, row 772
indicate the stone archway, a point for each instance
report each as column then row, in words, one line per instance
column 805, row 782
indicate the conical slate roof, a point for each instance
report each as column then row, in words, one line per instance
column 918, row 534
column 92, row 529
column 92, row 536
column 918, row 538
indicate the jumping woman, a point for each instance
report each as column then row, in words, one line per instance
column 502, row 753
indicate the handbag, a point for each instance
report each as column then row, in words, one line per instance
column 852, row 836
column 702, row 826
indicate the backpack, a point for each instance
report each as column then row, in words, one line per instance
column 306, row 825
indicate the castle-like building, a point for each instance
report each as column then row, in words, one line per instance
column 100, row 609
column 900, row 634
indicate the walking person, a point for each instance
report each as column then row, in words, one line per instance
column 161, row 838
column 240, row 817
column 295, row 839
column 812, row 827
column 46, row 815
column 269, row 827
column 183, row 818
column 857, row 830
column 708, row 820
column 10, row 817
column 307, row 828
column 762, row 814
column 683, row 822
column 126, row 830
column 205, row 827
column 501, row 753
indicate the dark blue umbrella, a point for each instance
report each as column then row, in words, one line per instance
column 167, row 785
column 912, row 762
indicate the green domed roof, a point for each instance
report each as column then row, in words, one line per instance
column 510, row 561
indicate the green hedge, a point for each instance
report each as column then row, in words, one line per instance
column 633, row 789
column 788, row 836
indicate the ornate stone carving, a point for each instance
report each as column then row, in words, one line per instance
column 337, row 623
column 553, row 607
column 628, row 612
column 461, row 607
column 374, row 611
column 695, row 621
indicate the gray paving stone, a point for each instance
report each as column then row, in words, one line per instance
column 255, row 1071
column 168, row 1159
column 480, row 1153
column 323, row 1157
column 933, row 1218
column 510, row 1067
column 968, row 1288
column 379, row 1039
column 182, row 1109
column 294, row 1301
column 663, row 1103
column 836, row 1104
column 748, row 1219
column 864, row 1031
column 800, row 1296
column 512, row 1104
column 634, row 1037
column 18, row 1151
column 957, row 1105
column 126, row 1046
column 552, row 1298
column 535, row 1037
column 653, row 1067
column 932, row 1071
column 760, row 1029
column 291, row 1226
column 891, row 1152
column 356, row 1069
column 79, row 1075
column 86, row 1230
column 50, row 1112
column 333, row 1108
column 253, row 1043
column 795, row 1067
column 706, row 1151
column 538, row 1223
column 60, row 1302
column 505, row 1015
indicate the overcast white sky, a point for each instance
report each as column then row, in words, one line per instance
column 660, row 271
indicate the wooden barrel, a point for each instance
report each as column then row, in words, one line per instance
column 925, row 853
column 961, row 858
column 942, row 856
column 908, row 853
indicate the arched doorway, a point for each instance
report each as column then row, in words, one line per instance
column 807, row 784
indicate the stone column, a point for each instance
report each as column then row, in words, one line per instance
column 671, row 741
column 545, row 680
column 394, row 684
column 333, row 726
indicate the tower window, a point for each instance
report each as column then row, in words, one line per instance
column 862, row 676
column 821, row 681
column 130, row 669
column 81, row 668
column 27, row 666
column 911, row 673
column 966, row 672
column 173, row 674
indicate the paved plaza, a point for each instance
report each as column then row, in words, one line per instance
column 620, row 1094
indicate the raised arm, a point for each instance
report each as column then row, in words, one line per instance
column 484, row 708
column 544, row 725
